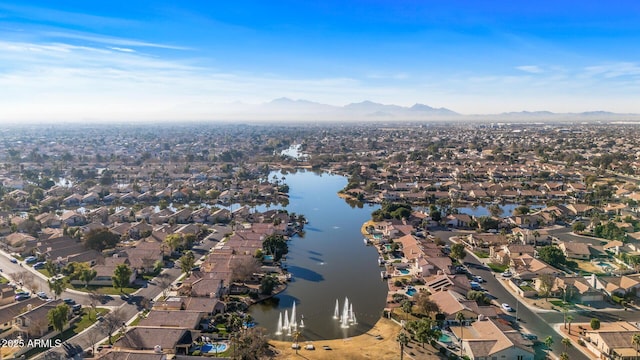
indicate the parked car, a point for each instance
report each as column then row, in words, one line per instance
column 69, row 301
column 13, row 260
column 39, row 265
column 22, row 297
column 532, row 337
column 76, row 308
column 507, row 307
column 30, row 259
column 507, row 274
column 478, row 279
column 42, row 295
column 475, row 286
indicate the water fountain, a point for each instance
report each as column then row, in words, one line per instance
column 293, row 323
column 301, row 320
column 336, row 311
column 286, row 326
column 344, row 320
column 279, row 329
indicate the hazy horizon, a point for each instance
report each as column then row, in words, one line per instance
column 158, row 60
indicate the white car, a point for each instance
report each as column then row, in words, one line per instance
column 479, row 279
column 507, row 273
column 507, row 307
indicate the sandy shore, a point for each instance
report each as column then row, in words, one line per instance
column 365, row 346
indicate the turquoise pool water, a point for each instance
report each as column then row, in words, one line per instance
column 404, row 271
column 411, row 292
column 445, row 338
column 212, row 348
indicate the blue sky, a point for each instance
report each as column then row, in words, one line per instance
column 147, row 59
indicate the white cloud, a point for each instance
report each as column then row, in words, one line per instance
column 532, row 69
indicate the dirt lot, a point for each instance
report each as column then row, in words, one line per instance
column 365, row 346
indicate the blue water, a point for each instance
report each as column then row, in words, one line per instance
column 212, row 348
column 445, row 338
column 411, row 292
column 404, row 271
column 328, row 264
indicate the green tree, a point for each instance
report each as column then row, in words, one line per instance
column 267, row 284
column 121, row 276
column 51, row 268
column 635, row 341
column 552, row 254
column 56, row 286
column 187, row 260
column 595, row 323
column 566, row 342
column 458, row 251
column 86, row 275
column 548, row 341
column 578, row 227
column 406, row 306
column 564, row 356
column 425, row 304
column 546, row 284
column 275, row 245
column 172, row 241
column 58, row 316
column 100, row 239
column 403, row 340
column 478, row 296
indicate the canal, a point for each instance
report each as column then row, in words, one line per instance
column 330, row 263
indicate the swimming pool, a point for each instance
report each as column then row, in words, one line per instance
column 404, row 271
column 213, row 348
column 411, row 291
column 445, row 338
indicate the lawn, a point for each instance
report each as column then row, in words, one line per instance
column 3, row 280
column 497, row 267
column 105, row 290
column 482, row 254
column 45, row 272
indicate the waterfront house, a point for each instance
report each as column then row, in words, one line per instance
column 170, row 340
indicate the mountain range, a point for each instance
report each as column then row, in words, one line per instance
column 287, row 109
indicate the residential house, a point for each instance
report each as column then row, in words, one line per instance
column 170, row 340
column 451, row 303
column 170, row 318
column 526, row 267
column 618, row 285
column 613, row 340
column 458, row 220
column 503, row 254
column 131, row 355
column 7, row 294
column 9, row 312
column 581, row 290
column 35, row 322
column 575, row 250
column 485, row 340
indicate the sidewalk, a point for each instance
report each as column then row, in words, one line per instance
column 37, row 273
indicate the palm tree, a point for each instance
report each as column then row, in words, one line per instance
column 403, row 339
column 566, row 342
column 564, row 356
column 548, row 341
column 635, row 340
column 569, row 320
column 460, row 318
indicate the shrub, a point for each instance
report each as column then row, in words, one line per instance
column 595, row 324
column 581, row 342
column 197, row 353
column 616, row 299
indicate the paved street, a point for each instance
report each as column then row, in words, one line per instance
column 533, row 322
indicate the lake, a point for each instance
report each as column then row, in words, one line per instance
column 330, row 263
